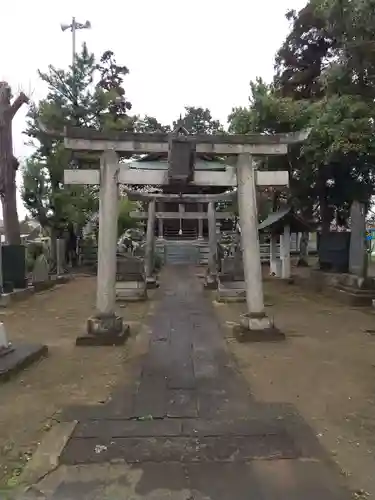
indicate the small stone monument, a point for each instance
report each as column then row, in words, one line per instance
column 231, row 285
column 60, row 256
column 357, row 252
column 40, row 275
column 130, row 279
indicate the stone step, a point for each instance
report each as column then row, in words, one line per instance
column 365, row 292
column 168, row 427
column 351, row 296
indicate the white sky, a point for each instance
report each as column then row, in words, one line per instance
column 197, row 53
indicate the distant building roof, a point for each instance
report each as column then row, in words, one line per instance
column 276, row 222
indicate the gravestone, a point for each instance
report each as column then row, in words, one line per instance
column 130, row 279
column 13, row 262
column 357, row 252
column 60, row 256
column 40, row 275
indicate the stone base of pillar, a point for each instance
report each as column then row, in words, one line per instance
column 257, row 328
column 104, row 330
column 151, row 283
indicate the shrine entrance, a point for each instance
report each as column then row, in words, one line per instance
column 180, row 176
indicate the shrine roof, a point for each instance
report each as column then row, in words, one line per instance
column 276, row 222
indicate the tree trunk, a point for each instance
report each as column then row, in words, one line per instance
column 9, row 164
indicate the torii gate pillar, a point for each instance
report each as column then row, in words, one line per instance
column 255, row 324
column 105, row 327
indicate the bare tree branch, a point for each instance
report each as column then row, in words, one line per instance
column 21, row 99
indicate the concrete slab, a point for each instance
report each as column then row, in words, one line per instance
column 46, row 458
column 22, row 356
column 180, row 449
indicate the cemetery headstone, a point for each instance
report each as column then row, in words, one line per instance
column 13, row 261
column 357, row 252
column 60, row 256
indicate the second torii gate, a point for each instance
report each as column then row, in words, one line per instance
column 105, row 327
column 211, row 216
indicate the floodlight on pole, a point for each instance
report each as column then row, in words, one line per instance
column 73, row 27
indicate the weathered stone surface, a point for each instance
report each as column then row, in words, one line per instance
column 257, row 329
column 129, row 268
column 129, row 428
column 181, row 449
column 104, row 331
column 357, row 252
column 231, row 291
column 130, row 279
column 182, row 404
column 191, row 415
column 22, row 356
column 46, row 458
column 232, row 267
column 41, row 270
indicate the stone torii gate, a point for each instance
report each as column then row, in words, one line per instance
column 107, row 328
column 212, row 216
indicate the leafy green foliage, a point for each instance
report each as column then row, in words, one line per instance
column 124, row 220
column 149, row 124
column 324, row 80
column 199, row 121
column 91, row 96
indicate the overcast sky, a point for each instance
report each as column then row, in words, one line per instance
column 198, row 53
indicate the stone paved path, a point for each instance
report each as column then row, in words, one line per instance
column 189, row 428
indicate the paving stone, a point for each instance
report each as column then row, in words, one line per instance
column 22, row 356
column 180, row 449
column 218, row 404
column 157, row 361
column 182, row 404
column 242, row 427
column 104, row 429
column 151, row 398
column 181, row 373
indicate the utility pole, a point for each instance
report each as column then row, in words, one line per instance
column 73, row 27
